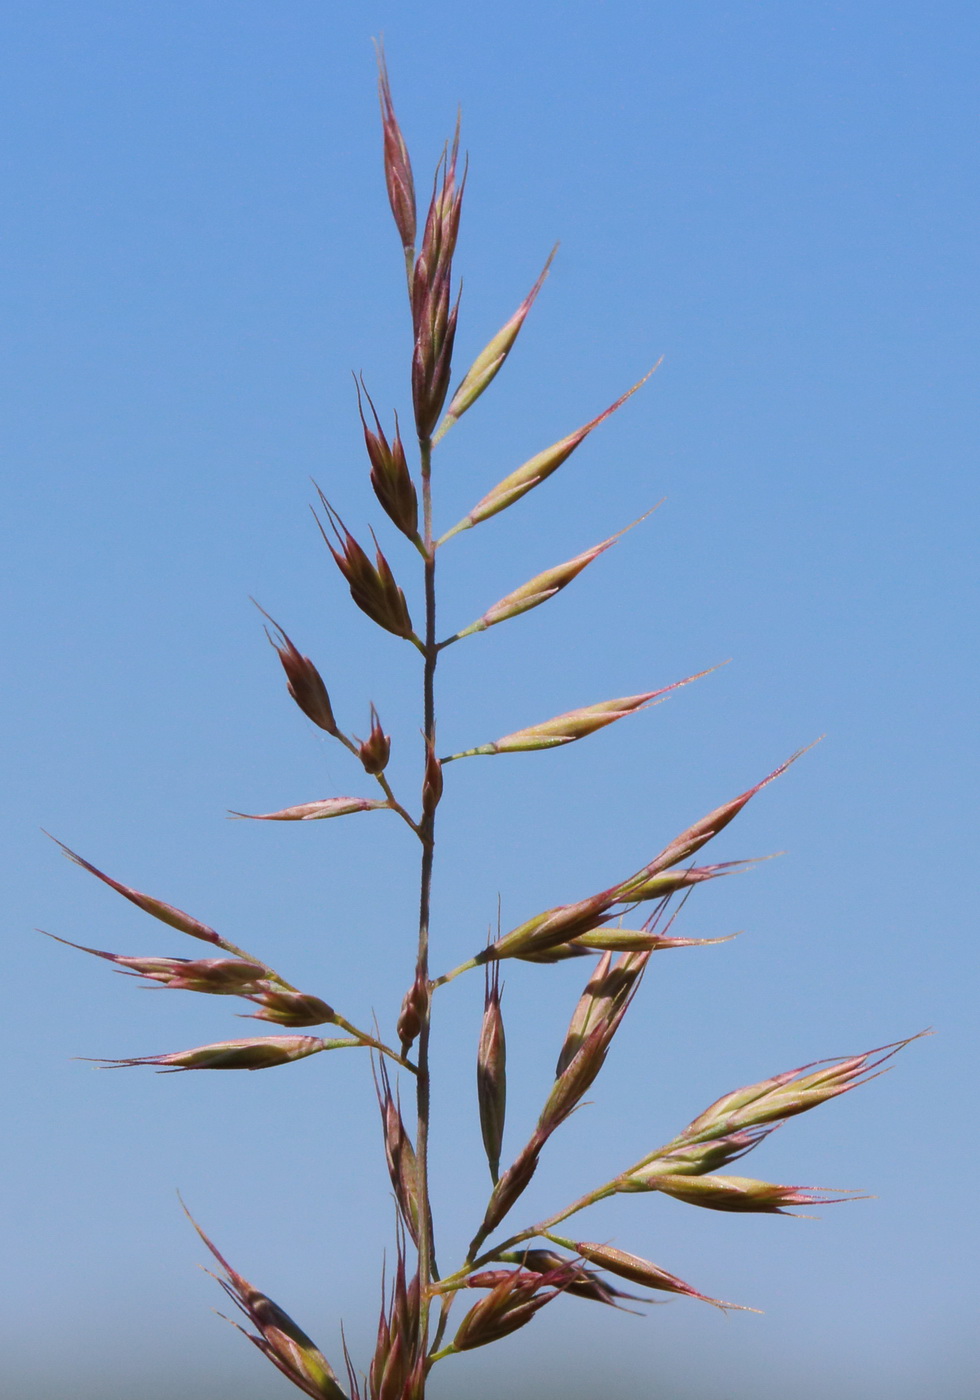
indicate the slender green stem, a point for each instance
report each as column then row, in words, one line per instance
column 463, row 967
column 394, row 804
column 533, row 1231
column 364, row 1039
column 445, row 1303
column 427, row 835
column 440, row 1355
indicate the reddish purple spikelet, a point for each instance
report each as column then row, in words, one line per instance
column 543, row 586
column 218, row 976
column 737, row 1123
column 703, row 831
column 277, row 1336
column 510, row 1304
column 303, row 680
column 491, row 1071
column 414, row 1008
column 433, row 318
column 372, row 586
column 398, row 167
column 395, row 1363
column 284, row 1007
column 432, row 781
column 235, row 1054
column 596, row 1020
column 512, row 1184
column 603, row 1003
column 641, row 1271
column 584, row 1284
column 166, row 913
column 390, row 477
column 375, row 750
column 399, row 1155
column 316, row 811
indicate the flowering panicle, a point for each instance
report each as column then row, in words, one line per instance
column 532, row 1266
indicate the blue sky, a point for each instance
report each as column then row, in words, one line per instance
column 779, row 200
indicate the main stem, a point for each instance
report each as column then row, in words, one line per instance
column 427, row 835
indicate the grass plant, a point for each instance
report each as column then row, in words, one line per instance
column 514, row 1266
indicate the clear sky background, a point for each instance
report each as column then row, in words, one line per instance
column 779, row 199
